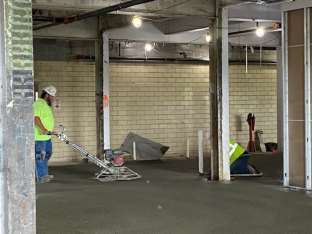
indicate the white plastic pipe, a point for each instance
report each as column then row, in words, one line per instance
column 134, row 152
column 200, row 152
column 187, row 147
column 211, row 166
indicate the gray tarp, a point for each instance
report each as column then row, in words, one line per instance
column 145, row 148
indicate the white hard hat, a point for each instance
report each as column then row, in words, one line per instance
column 51, row 90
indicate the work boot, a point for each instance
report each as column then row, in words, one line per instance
column 44, row 179
column 50, row 176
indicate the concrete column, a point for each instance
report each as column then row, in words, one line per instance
column 17, row 170
column 219, row 83
column 99, row 90
column 106, row 97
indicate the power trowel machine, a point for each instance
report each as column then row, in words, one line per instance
column 110, row 169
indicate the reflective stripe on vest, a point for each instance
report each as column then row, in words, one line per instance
column 235, row 151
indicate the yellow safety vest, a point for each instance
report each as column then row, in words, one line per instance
column 236, row 151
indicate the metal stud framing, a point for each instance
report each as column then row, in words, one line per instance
column 307, row 94
column 285, row 99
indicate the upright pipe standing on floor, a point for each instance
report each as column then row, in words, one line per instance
column 134, row 151
column 200, row 152
column 187, row 147
column 211, row 167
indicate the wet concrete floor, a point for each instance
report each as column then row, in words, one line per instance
column 170, row 199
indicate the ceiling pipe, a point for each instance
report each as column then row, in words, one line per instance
column 103, row 11
column 47, row 18
column 253, row 20
column 259, row 2
column 268, row 29
column 266, row 2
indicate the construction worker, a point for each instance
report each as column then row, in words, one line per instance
column 239, row 160
column 44, row 126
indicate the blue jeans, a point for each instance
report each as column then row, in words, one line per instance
column 240, row 166
column 43, row 152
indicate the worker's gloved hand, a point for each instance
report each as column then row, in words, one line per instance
column 58, row 130
column 50, row 133
column 45, row 132
column 54, row 133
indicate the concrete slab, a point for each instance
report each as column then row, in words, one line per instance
column 170, row 199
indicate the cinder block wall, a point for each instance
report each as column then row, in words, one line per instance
column 254, row 92
column 168, row 103
column 164, row 102
column 75, row 83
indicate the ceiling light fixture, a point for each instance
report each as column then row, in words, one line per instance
column 208, row 37
column 136, row 21
column 148, row 47
column 260, row 31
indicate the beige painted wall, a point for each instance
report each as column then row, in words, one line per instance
column 164, row 102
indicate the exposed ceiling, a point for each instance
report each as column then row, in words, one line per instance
column 171, row 17
column 169, row 8
column 162, row 8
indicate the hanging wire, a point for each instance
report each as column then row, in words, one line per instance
column 260, row 54
column 246, row 58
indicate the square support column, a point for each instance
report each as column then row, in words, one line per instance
column 106, row 97
column 17, row 168
column 219, row 98
column 99, row 91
